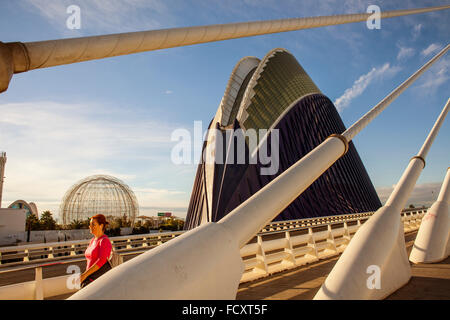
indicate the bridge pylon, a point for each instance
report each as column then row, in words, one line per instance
column 432, row 243
column 375, row 263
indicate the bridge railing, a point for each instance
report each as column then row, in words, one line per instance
column 291, row 247
column 54, row 251
column 69, row 250
column 294, row 243
column 300, row 223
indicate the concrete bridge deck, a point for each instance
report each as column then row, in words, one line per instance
column 429, row 281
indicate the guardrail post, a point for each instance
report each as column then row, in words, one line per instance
column 72, row 250
column 419, row 219
column 26, row 258
column 145, row 244
column 129, row 244
column 312, row 243
column 347, row 236
column 261, row 257
column 414, row 220
column 424, row 212
column 289, row 249
column 50, row 254
column 39, row 286
column 330, row 240
column 405, row 220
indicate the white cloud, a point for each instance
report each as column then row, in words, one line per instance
column 50, row 146
column 438, row 74
column 168, row 92
column 405, row 53
column 431, row 48
column 361, row 84
column 109, row 16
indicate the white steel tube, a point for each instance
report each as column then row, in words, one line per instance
column 426, row 146
column 44, row 54
column 432, row 241
column 2, row 174
column 379, row 244
column 16, row 57
column 444, row 194
column 351, row 132
column 403, row 189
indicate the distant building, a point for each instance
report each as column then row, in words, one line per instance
column 12, row 219
column 276, row 93
column 30, row 208
column 2, row 174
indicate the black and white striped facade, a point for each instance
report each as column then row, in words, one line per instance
column 277, row 94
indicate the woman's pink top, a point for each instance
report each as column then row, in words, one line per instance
column 98, row 251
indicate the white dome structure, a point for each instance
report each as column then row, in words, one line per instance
column 99, row 194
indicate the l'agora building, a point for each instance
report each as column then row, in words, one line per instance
column 277, row 93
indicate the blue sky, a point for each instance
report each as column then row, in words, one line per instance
column 116, row 116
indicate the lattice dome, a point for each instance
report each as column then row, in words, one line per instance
column 99, row 194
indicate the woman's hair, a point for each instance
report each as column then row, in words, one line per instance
column 101, row 220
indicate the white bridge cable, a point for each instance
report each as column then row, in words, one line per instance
column 427, row 144
column 351, row 132
column 406, row 184
column 49, row 53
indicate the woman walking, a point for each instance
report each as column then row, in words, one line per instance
column 98, row 251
